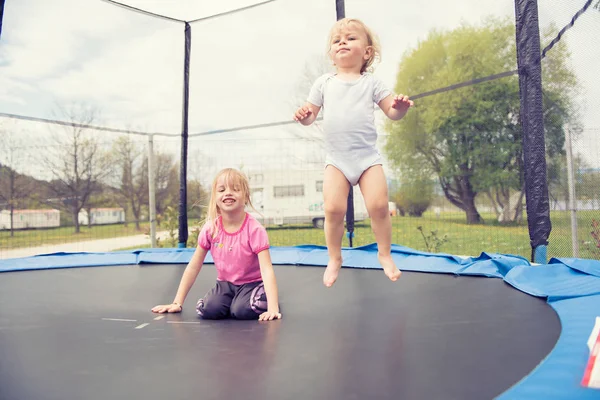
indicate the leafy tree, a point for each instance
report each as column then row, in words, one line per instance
column 470, row 138
column 415, row 194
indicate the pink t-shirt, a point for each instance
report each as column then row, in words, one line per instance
column 236, row 253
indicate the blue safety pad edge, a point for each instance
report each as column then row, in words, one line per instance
column 407, row 259
column 167, row 256
column 559, row 375
column 555, row 281
column 591, row 267
column 67, row 260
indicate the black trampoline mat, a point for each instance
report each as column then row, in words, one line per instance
column 65, row 334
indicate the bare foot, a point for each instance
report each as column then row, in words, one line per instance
column 331, row 272
column 389, row 267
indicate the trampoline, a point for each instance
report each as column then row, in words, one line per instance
column 446, row 330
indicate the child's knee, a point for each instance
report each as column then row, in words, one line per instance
column 210, row 309
column 379, row 209
column 240, row 311
column 251, row 307
column 333, row 210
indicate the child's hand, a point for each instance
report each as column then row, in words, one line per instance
column 302, row 113
column 402, row 102
column 269, row 316
column 169, row 308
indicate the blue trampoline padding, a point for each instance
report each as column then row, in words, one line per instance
column 559, row 375
column 591, row 267
column 492, row 265
column 67, row 260
column 366, row 257
column 554, row 281
column 292, row 255
column 167, row 256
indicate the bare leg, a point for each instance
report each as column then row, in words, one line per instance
column 335, row 194
column 374, row 189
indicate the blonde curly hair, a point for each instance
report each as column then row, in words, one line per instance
column 372, row 41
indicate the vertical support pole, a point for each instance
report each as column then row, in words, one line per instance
column 152, row 191
column 183, row 225
column 1, row 15
column 572, row 195
column 532, row 122
column 340, row 10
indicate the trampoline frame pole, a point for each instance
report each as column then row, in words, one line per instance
column 183, row 225
column 340, row 10
column 572, row 194
column 1, row 15
column 151, row 191
column 532, row 122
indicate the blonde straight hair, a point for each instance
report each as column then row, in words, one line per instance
column 233, row 178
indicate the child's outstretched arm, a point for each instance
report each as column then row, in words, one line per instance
column 187, row 280
column 396, row 107
column 307, row 114
column 268, row 277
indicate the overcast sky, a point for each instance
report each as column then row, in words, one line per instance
column 246, row 68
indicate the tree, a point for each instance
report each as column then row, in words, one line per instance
column 15, row 188
column 200, row 196
column 167, row 182
column 471, row 138
column 75, row 162
column 130, row 179
column 132, row 176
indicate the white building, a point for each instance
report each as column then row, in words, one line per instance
column 102, row 216
column 24, row 219
column 293, row 196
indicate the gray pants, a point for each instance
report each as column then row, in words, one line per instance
column 227, row 300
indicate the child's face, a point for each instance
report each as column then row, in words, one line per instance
column 229, row 195
column 349, row 47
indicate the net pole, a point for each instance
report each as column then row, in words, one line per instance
column 183, row 225
column 532, row 123
column 340, row 10
column 152, row 191
column 572, row 195
column 1, row 15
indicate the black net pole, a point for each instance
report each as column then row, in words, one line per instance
column 340, row 10
column 532, row 122
column 1, row 15
column 183, row 225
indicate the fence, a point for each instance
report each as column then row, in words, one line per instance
column 478, row 125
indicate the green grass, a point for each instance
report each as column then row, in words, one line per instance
column 463, row 239
column 38, row 237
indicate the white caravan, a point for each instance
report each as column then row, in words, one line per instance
column 293, row 197
column 25, row 219
column 102, row 216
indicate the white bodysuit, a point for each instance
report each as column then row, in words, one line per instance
column 349, row 121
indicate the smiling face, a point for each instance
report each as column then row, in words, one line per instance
column 230, row 194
